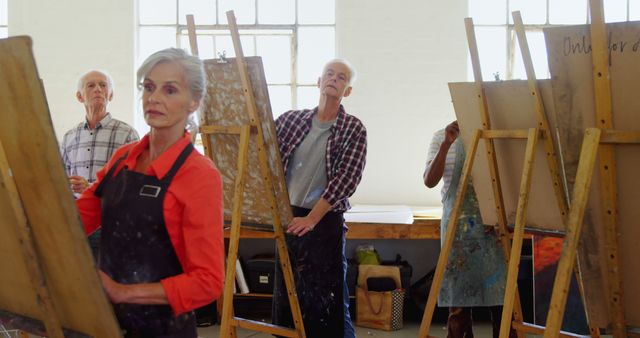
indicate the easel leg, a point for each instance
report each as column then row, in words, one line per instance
column 289, row 282
column 283, row 255
column 603, row 100
column 594, row 331
column 518, row 233
column 267, row 179
column 574, row 227
column 226, row 328
column 448, row 242
column 23, row 229
column 219, row 306
column 502, row 230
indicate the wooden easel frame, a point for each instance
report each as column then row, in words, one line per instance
column 512, row 245
column 245, row 132
column 51, row 321
column 597, row 141
column 488, row 134
column 561, row 197
column 43, row 243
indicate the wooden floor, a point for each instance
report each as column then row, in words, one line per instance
column 410, row 330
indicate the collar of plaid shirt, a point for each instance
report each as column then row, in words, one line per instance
column 105, row 120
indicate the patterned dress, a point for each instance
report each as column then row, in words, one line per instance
column 476, row 271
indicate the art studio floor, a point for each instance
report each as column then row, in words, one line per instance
column 480, row 329
column 410, row 330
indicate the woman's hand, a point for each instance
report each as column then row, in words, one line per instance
column 116, row 291
column 145, row 293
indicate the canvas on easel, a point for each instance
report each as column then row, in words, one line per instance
column 239, row 134
column 510, row 108
column 49, row 284
column 225, row 106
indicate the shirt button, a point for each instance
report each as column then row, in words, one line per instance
column 87, row 167
column 88, row 149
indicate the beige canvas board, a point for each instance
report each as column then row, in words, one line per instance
column 570, row 63
column 511, row 106
column 225, row 105
column 62, row 251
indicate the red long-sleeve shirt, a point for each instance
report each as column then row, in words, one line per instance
column 193, row 214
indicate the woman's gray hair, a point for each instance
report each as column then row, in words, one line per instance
column 192, row 65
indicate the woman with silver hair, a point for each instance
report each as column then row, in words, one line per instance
column 159, row 204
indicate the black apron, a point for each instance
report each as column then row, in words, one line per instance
column 316, row 263
column 135, row 247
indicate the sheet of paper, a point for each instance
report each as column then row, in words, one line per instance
column 365, row 213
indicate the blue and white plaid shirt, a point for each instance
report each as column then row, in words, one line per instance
column 84, row 151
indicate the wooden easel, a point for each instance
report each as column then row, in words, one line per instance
column 43, row 245
column 51, row 321
column 597, row 142
column 561, row 197
column 488, row 135
column 246, row 133
column 511, row 246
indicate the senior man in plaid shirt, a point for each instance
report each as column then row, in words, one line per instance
column 87, row 147
column 323, row 153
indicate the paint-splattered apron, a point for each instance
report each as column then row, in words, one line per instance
column 317, row 266
column 135, row 247
column 476, row 270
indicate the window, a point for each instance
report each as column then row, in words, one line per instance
column 4, row 31
column 294, row 38
column 496, row 37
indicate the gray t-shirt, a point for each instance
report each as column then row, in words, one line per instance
column 306, row 175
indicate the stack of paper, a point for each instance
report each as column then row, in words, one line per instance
column 427, row 212
column 396, row 214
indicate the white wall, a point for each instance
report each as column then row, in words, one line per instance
column 71, row 37
column 405, row 52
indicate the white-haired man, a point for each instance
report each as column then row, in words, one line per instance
column 323, row 152
column 87, row 147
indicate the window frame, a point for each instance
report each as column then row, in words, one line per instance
column 5, row 25
column 257, row 28
column 511, row 39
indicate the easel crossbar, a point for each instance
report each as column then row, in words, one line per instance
column 263, row 327
column 610, row 136
column 539, row 330
column 234, row 130
column 509, row 134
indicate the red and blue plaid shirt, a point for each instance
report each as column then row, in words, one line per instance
column 345, row 156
